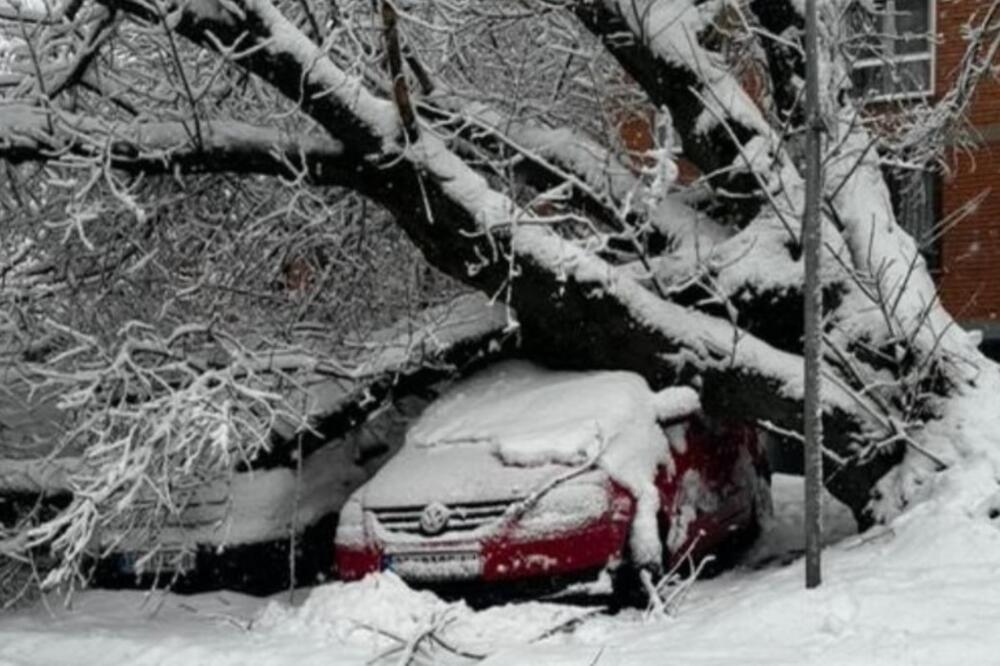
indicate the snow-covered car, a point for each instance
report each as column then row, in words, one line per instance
column 234, row 527
column 236, row 532
column 520, row 474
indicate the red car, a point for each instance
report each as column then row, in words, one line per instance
column 522, row 474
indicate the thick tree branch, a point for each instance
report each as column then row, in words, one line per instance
column 169, row 147
column 656, row 42
column 549, row 157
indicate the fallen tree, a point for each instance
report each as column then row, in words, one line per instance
column 601, row 257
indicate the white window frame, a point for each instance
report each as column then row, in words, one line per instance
column 930, row 57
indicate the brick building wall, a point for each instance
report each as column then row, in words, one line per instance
column 969, row 278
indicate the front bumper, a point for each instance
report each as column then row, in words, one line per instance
column 511, row 550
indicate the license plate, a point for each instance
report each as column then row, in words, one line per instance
column 436, row 566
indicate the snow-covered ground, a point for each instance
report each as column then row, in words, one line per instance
column 925, row 591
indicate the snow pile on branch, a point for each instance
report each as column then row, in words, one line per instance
column 530, row 417
column 582, row 161
column 670, row 29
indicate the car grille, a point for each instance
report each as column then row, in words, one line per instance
column 464, row 517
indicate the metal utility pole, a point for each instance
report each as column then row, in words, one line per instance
column 812, row 241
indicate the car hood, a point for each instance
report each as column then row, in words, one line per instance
column 452, row 474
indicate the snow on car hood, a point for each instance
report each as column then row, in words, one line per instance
column 505, row 431
column 453, row 475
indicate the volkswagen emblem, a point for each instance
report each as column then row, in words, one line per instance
column 434, row 518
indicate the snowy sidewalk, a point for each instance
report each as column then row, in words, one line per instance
column 926, row 592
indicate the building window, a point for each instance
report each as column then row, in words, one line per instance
column 916, row 202
column 892, row 48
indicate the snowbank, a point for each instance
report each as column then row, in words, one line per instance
column 919, row 593
column 380, row 612
column 371, row 612
column 965, row 438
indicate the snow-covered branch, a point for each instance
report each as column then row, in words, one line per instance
column 481, row 236
column 29, row 133
column 658, row 43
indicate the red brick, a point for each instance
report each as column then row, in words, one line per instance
column 970, row 277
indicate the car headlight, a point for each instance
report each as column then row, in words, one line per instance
column 568, row 505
